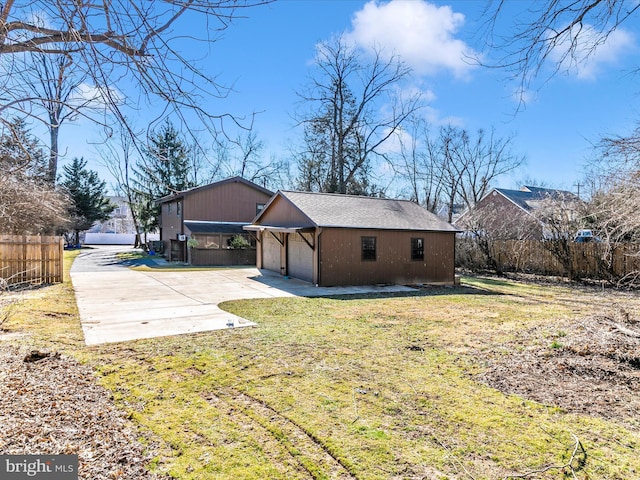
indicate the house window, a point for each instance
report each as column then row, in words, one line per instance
column 259, row 207
column 178, row 208
column 417, row 249
column 168, row 208
column 368, row 248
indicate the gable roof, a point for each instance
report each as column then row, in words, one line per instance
column 350, row 211
column 173, row 196
column 528, row 198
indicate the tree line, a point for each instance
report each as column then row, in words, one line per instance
column 360, row 131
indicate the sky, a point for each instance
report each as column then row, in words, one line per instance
column 268, row 57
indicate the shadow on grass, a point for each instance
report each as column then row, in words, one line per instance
column 417, row 292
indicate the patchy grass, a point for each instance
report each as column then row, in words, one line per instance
column 48, row 316
column 354, row 387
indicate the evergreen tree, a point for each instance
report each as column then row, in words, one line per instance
column 21, row 154
column 88, row 196
column 166, row 169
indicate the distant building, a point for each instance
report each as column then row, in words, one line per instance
column 118, row 229
column 510, row 214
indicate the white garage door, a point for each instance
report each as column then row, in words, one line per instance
column 270, row 253
column 300, row 258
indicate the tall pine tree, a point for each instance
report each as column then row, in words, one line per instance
column 88, row 195
column 166, row 169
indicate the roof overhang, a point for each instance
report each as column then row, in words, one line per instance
column 270, row 228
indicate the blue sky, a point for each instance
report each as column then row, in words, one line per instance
column 267, row 58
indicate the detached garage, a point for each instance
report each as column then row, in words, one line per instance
column 332, row 239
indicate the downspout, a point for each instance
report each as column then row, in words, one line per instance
column 455, row 242
column 318, row 250
column 185, row 253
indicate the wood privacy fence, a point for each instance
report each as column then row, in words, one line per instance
column 31, row 259
column 589, row 260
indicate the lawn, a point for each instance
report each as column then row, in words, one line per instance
column 393, row 387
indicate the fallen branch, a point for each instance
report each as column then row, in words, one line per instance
column 454, row 461
column 626, row 331
column 578, row 450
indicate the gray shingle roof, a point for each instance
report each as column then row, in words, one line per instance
column 349, row 211
column 530, row 197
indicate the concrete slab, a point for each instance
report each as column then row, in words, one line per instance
column 119, row 304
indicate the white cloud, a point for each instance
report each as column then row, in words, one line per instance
column 95, row 97
column 394, row 143
column 421, row 33
column 588, row 61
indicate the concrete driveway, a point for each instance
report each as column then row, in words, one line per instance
column 118, row 304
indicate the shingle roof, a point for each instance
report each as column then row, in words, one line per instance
column 529, row 197
column 336, row 210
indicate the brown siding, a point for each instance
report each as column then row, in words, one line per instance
column 341, row 262
column 229, row 202
column 283, row 214
column 171, row 222
column 500, row 217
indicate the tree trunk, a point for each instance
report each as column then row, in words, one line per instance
column 53, row 153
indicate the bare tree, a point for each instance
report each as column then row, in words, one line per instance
column 344, row 126
column 463, row 168
column 53, row 82
column 492, row 233
column 28, row 203
column 30, row 207
column 614, row 179
column 243, row 156
column 119, row 157
column 562, row 216
column 416, row 166
column 117, row 44
column 559, row 33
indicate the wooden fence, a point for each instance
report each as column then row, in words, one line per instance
column 589, row 260
column 31, row 259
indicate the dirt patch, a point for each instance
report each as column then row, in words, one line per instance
column 50, row 404
column 589, row 365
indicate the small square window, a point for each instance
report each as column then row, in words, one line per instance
column 368, row 248
column 417, row 249
column 259, row 207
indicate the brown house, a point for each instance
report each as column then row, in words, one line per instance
column 331, row 239
column 211, row 216
column 511, row 214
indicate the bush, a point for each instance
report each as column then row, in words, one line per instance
column 238, row 242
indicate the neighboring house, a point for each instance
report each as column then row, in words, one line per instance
column 332, row 239
column 118, row 229
column 511, row 214
column 210, row 216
